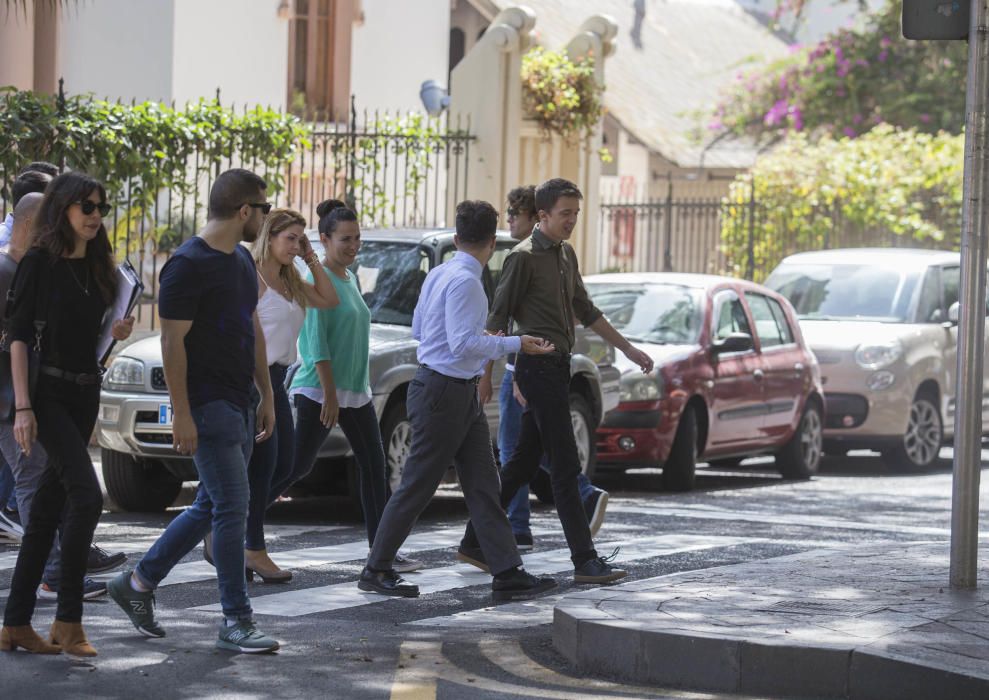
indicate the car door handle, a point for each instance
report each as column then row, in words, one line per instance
column 798, row 370
column 758, row 375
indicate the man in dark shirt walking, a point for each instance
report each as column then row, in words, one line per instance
column 212, row 347
column 542, row 291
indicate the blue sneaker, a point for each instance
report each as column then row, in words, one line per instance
column 244, row 637
column 139, row 605
column 90, row 589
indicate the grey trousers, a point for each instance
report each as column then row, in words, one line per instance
column 27, row 479
column 448, row 427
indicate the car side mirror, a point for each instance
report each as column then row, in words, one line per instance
column 953, row 312
column 733, row 342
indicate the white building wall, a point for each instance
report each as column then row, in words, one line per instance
column 399, row 45
column 240, row 46
column 117, row 48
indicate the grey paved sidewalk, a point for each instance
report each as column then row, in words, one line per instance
column 856, row 623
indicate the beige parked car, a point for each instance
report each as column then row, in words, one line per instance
column 884, row 326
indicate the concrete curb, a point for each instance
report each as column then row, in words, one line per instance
column 861, row 623
column 595, row 643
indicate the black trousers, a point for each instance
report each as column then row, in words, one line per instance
column 546, row 427
column 66, row 415
column 360, row 426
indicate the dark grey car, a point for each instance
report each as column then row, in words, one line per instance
column 143, row 472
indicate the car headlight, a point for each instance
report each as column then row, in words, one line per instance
column 640, row 387
column 125, row 373
column 878, row 356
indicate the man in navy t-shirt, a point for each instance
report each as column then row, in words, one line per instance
column 212, row 348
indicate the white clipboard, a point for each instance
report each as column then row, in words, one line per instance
column 129, row 289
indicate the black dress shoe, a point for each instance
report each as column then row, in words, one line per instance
column 520, row 585
column 100, row 560
column 473, row 556
column 387, row 583
column 597, row 570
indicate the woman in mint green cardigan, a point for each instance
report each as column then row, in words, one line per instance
column 332, row 385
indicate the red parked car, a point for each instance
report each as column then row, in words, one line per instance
column 733, row 377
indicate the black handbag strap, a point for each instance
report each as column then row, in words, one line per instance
column 40, row 309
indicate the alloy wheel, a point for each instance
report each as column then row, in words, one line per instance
column 811, row 440
column 922, row 440
column 399, row 446
column 582, row 435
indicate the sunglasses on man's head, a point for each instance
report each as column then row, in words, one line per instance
column 265, row 207
column 88, row 206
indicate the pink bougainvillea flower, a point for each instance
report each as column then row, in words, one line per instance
column 849, row 132
column 925, row 118
column 797, row 119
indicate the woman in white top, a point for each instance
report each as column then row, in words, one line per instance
column 282, row 300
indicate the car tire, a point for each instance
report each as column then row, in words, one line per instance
column 728, row 462
column 585, row 433
column 396, row 436
column 918, row 449
column 138, row 485
column 800, row 457
column 680, row 468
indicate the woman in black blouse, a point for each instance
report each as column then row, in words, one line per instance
column 70, row 278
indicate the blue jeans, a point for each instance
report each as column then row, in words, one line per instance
column 27, row 472
column 7, row 499
column 226, row 439
column 271, row 462
column 509, row 423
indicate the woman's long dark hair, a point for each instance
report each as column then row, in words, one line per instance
column 54, row 233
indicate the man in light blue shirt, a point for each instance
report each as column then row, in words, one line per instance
column 448, row 421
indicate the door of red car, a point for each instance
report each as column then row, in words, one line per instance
column 784, row 365
column 737, row 403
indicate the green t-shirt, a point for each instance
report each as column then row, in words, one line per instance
column 341, row 335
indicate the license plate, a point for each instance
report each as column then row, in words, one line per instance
column 165, row 414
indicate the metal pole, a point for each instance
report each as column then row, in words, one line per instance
column 971, row 329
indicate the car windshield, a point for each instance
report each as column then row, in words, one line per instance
column 846, row 292
column 390, row 276
column 651, row 313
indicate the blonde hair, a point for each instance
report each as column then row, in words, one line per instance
column 276, row 222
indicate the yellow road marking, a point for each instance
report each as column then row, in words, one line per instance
column 422, row 664
column 508, row 655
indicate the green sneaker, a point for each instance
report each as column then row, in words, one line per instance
column 246, row 638
column 139, row 605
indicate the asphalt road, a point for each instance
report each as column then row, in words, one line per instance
column 452, row 642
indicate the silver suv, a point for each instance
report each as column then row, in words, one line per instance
column 143, row 473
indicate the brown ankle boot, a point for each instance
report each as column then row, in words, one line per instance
column 258, row 562
column 27, row 639
column 72, row 638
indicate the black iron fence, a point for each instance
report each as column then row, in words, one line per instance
column 395, row 170
column 739, row 238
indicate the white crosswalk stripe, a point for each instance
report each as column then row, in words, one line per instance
column 809, row 519
column 140, row 543
column 346, row 595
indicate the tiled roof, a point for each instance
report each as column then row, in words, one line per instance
column 686, row 52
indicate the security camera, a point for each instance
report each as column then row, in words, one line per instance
column 434, row 98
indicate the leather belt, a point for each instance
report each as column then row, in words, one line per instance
column 74, row 378
column 455, row 380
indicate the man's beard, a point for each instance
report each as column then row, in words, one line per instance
column 251, row 235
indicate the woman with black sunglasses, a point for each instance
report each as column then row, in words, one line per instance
column 69, row 277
